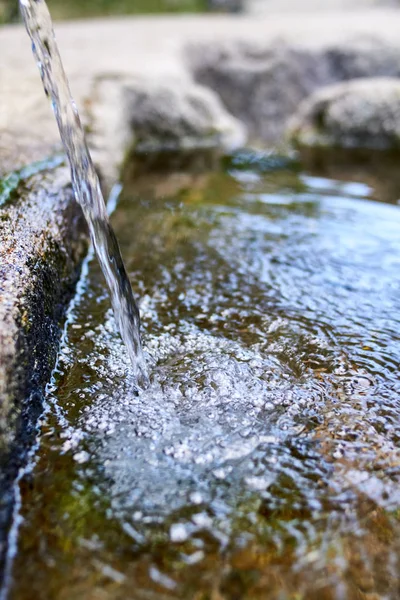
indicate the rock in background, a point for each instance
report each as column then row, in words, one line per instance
column 263, row 85
column 162, row 125
column 362, row 113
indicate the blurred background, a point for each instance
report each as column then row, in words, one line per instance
column 62, row 9
column 72, row 9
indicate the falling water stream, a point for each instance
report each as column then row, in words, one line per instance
column 85, row 181
column 263, row 460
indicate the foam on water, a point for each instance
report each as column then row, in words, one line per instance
column 263, row 459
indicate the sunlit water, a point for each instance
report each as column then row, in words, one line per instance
column 263, row 461
column 84, row 178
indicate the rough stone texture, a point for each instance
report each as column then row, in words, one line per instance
column 362, row 113
column 42, row 241
column 187, row 116
column 150, row 118
column 264, row 84
column 155, row 48
column 260, row 85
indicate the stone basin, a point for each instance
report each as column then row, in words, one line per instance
column 222, row 82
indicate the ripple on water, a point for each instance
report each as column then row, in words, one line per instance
column 263, row 461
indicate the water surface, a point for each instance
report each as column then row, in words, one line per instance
column 263, row 462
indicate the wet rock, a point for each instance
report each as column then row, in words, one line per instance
column 263, row 84
column 361, row 113
column 42, row 242
column 162, row 123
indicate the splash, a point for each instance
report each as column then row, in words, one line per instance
column 263, row 461
column 85, row 180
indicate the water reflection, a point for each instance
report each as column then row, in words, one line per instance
column 263, row 461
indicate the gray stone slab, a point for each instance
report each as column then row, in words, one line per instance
column 42, row 243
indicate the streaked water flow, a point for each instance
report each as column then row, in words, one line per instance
column 263, row 461
column 84, row 178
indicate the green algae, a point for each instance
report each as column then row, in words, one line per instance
column 9, row 183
